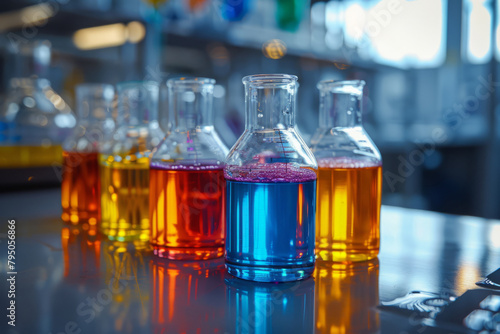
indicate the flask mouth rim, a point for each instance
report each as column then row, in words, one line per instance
column 107, row 91
column 269, row 80
column 136, row 84
column 190, row 81
column 29, row 82
column 342, row 86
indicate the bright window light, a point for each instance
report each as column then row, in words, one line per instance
column 497, row 32
column 477, row 29
column 408, row 33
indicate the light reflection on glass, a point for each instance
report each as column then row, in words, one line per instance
column 346, row 297
column 254, row 307
column 185, row 296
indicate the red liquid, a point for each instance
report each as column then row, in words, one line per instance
column 80, row 195
column 187, row 213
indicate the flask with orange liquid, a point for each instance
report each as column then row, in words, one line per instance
column 349, row 177
column 80, row 194
column 187, row 185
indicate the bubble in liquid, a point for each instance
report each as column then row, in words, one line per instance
column 260, row 115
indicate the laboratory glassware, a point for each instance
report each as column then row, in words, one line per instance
column 271, row 187
column 349, row 178
column 124, row 163
column 187, row 185
column 80, row 193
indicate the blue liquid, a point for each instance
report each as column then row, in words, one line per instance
column 270, row 230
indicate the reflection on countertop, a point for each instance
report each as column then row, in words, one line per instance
column 71, row 278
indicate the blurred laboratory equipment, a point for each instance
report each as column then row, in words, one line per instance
column 124, row 163
column 80, row 191
column 34, row 119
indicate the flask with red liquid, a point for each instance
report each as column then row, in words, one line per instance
column 80, row 194
column 187, row 186
column 349, row 177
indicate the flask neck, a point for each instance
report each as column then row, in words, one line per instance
column 340, row 104
column 270, row 103
column 94, row 103
column 191, row 103
column 29, row 85
column 137, row 104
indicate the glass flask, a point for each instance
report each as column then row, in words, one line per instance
column 124, row 163
column 271, row 187
column 349, row 178
column 187, row 185
column 347, row 297
column 34, row 121
column 80, row 193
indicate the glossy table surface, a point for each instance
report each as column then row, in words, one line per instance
column 71, row 280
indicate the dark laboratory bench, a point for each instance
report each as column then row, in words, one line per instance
column 72, row 280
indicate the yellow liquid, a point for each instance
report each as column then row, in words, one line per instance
column 348, row 213
column 18, row 156
column 124, row 198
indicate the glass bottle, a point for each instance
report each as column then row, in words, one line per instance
column 187, row 186
column 34, row 122
column 80, row 193
column 271, row 187
column 124, row 163
column 349, row 178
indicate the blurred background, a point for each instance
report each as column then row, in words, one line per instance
column 431, row 68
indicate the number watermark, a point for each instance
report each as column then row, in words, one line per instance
column 11, row 272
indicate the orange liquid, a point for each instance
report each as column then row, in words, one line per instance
column 187, row 213
column 80, row 195
column 348, row 212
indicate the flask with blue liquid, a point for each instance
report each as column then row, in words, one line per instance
column 271, row 188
